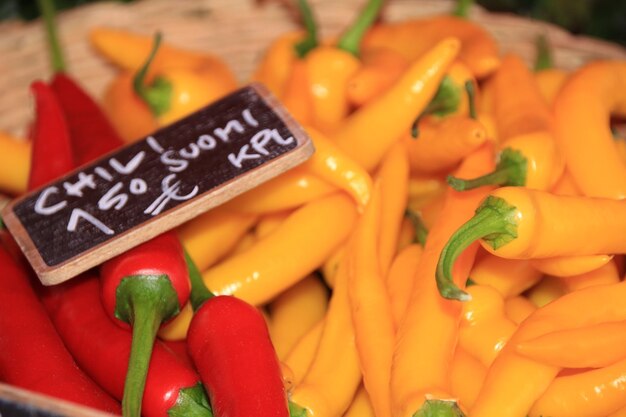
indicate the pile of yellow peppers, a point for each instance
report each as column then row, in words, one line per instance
column 417, row 125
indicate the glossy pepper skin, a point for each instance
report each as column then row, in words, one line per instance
column 78, row 314
column 14, row 163
column 37, row 359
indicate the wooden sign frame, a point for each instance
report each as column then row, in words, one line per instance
column 295, row 149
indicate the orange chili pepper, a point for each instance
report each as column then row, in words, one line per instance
column 295, row 311
column 287, row 191
column 546, row 291
column 595, row 393
column 531, row 160
column 510, row 223
column 519, row 106
column 368, row 133
column 606, row 274
column 393, row 175
column 441, row 145
column 374, row 330
column 301, row 356
column 334, row 375
column 593, row 346
column 550, row 82
column 330, row 267
column 420, row 368
column 380, row 68
column 485, row 329
column 413, row 38
column 275, row 66
column 568, row 266
column 295, row 96
column 361, row 405
column 400, row 279
column 466, row 377
column 518, row 308
column 510, row 277
column 210, row 236
column 256, row 276
column 14, row 163
column 581, row 110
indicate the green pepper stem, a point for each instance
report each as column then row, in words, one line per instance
column 439, row 408
column 493, row 222
column 471, row 98
column 48, row 12
column 158, row 95
column 191, row 402
column 199, row 292
column 310, row 41
column 421, row 231
column 543, row 59
column 462, row 8
column 510, row 171
column 350, row 41
column 296, row 411
column 445, row 101
column 143, row 301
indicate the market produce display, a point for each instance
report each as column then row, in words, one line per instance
column 454, row 247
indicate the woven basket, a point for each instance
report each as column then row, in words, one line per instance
column 237, row 30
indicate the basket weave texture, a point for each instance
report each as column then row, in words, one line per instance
column 238, row 31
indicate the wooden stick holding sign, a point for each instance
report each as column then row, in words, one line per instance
column 136, row 193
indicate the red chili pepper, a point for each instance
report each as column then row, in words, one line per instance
column 230, row 345
column 91, row 133
column 33, row 355
column 144, row 287
column 102, row 349
column 51, row 149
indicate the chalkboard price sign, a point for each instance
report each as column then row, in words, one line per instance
column 133, row 194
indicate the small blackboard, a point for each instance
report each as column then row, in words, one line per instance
column 133, row 194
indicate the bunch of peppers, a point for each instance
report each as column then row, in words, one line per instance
column 454, row 247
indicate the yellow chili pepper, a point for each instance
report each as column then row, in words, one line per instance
column 361, row 405
column 380, row 68
column 330, row 267
column 593, row 346
column 374, row 330
column 275, row 66
column 413, row 38
column 400, row 279
column 295, row 311
column 518, row 308
column 441, row 145
column 301, row 356
column 466, row 377
column 14, row 163
column 510, row 277
column 421, row 368
column 368, row 133
column 269, row 222
column 595, row 393
column 210, row 236
column 298, row 246
column 394, row 176
column 406, row 235
column 246, row 242
column 334, row 375
column 606, row 274
column 567, row 266
column 287, row 191
column 336, row 167
column 519, row 106
column 581, row 110
column 485, row 329
column 546, row 291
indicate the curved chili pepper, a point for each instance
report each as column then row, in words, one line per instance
column 510, row 277
column 361, row 405
column 509, row 223
column 295, row 311
column 567, row 266
column 400, row 279
column 466, row 377
column 485, row 329
column 420, row 368
column 595, row 393
column 606, row 274
column 443, row 144
column 581, row 111
column 14, row 163
column 230, row 345
column 296, row 96
column 406, row 99
column 546, row 291
column 531, row 160
column 299, row 359
column 275, row 66
column 269, row 222
column 413, row 38
column 144, row 287
column 33, row 355
column 255, row 275
column 102, row 349
column 550, row 82
column 518, row 308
